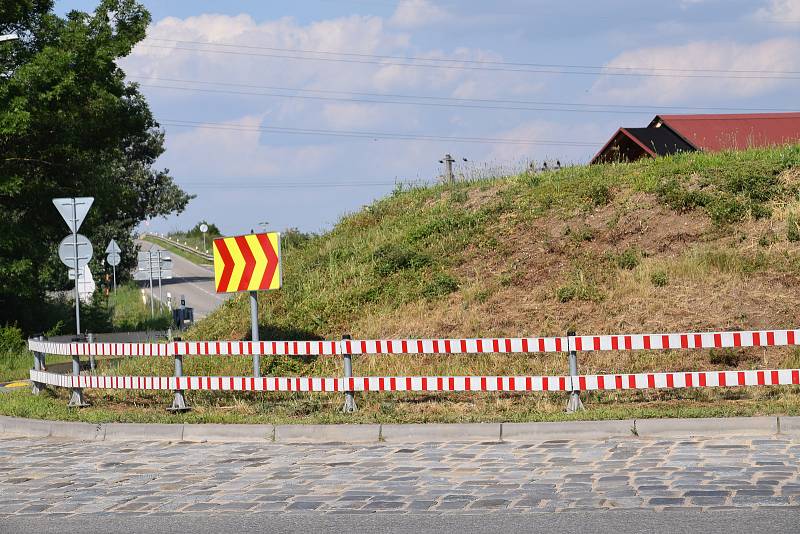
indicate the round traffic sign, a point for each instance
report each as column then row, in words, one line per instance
column 204, row 228
column 67, row 251
column 113, row 259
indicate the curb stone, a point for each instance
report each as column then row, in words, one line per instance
column 368, row 433
column 441, row 432
column 789, row 426
column 568, row 430
column 708, row 427
column 411, row 433
column 238, row 433
column 143, row 432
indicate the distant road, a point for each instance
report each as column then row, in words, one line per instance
column 192, row 280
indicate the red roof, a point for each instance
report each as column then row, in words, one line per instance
column 733, row 132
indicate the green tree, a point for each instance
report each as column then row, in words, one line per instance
column 70, row 125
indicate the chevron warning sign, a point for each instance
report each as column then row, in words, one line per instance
column 247, row 263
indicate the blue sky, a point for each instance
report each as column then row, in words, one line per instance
column 530, row 80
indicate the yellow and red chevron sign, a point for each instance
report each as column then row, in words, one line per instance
column 247, row 263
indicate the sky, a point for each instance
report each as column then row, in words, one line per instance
column 287, row 114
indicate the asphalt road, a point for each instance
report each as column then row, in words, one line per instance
column 192, row 280
column 619, row 522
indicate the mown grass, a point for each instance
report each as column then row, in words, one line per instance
column 130, row 312
column 325, row 408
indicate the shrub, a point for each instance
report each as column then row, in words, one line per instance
column 676, row 197
column 599, row 194
column 391, row 258
column 659, row 278
column 458, row 197
column 727, row 210
column 441, row 284
column 792, row 228
column 579, row 288
column 629, row 259
column 11, row 339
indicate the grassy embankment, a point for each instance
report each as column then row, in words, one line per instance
column 194, row 258
column 690, row 242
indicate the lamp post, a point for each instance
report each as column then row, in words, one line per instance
column 9, row 37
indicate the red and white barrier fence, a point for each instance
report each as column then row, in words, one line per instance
column 429, row 383
column 699, row 340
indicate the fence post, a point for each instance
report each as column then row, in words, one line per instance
column 574, row 404
column 77, row 400
column 90, row 338
column 38, row 365
column 179, row 401
column 349, row 398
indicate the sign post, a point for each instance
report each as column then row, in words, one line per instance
column 204, row 229
column 249, row 263
column 113, row 259
column 74, row 211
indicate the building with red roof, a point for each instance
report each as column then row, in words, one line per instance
column 668, row 134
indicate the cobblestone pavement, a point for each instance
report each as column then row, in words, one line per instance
column 67, row 477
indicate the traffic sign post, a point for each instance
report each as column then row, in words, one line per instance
column 113, row 259
column 154, row 264
column 74, row 211
column 204, row 229
column 249, row 263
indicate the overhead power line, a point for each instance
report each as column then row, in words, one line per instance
column 295, row 185
column 470, row 64
column 433, row 101
column 375, row 135
column 456, row 99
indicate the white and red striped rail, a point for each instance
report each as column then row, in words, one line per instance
column 701, row 379
column 698, row 340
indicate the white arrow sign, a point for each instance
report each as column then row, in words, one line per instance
column 73, row 210
column 113, row 248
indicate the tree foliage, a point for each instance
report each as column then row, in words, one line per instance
column 70, row 125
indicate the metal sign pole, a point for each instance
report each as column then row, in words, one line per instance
column 114, row 267
column 77, row 275
column 150, row 272
column 254, row 329
column 160, row 290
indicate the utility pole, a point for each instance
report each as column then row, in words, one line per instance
column 448, row 163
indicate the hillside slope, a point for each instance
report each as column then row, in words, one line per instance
column 693, row 241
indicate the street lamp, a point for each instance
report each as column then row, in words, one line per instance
column 9, row 37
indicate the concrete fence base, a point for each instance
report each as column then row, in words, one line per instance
column 412, row 433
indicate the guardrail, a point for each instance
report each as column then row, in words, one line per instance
column 182, row 246
column 573, row 382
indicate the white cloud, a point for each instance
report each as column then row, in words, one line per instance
column 782, row 11
column 698, row 80
column 417, row 13
column 235, row 149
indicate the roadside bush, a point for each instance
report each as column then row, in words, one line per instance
column 11, row 339
column 600, row 194
column 792, row 228
column 442, row 284
column 391, row 258
column 628, row 259
column 579, row 288
column 659, row 278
